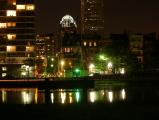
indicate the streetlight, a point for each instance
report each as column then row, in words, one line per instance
column 91, row 68
column 62, row 66
column 110, row 66
column 102, row 57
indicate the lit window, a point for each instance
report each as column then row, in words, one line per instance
column 95, row 44
column 4, row 68
column 11, row 24
column 11, row 48
column 90, row 44
column 29, row 48
column 20, row 7
column 3, row 25
column 11, row 13
column 4, row 74
column 30, row 7
column 84, row 43
column 11, row 36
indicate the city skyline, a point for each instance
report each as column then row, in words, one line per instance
column 119, row 15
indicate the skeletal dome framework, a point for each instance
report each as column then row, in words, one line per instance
column 67, row 21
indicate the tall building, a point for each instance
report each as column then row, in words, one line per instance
column 92, row 18
column 69, row 57
column 45, row 55
column 17, row 38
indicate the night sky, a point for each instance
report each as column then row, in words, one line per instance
column 120, row 15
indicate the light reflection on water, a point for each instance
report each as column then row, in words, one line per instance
column 59, row 96
column 106, row 95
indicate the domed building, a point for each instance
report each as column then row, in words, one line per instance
column 69, row 57
column 68, row 24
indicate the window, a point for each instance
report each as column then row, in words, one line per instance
column 11, row 24
column 11, row 36
column 11, row 13
column 4, row 68
column 29, row 48
column 11, row 48
column 84, row 43
column 30, row 7
column 20, row 7
column 95, row 44
column 3, row 25
column 90, row 44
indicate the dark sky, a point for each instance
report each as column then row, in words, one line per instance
column 120, row 15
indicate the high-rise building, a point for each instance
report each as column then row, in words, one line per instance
column 69, row 56
column 92, row 18
column 17, row 38
column 45, row 55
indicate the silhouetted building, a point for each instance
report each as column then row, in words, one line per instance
column 17, row 36
column 151, row 51
column 136, row 46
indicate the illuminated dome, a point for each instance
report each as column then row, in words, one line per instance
column 68, row 21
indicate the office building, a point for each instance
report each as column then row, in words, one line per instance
column 92, row 18
column 17, row 36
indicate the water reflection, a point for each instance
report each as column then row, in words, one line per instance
column 64, row 96
column 59, row 96
column 18, row 96
column 106, row 95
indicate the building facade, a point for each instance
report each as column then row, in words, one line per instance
column 45, row 55
column 17, row 36
column 92, row 18
column 69, row 56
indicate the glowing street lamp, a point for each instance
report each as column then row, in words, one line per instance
column 62, row 63
column 91, row 67
column 62, row 66
column 110, row 65
column 102, row 57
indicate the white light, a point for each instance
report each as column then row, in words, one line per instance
column 3, row 25
column 77, row 96
column 123, row 94
column 62, row 63
column 20, row 7
column 110, row 65
column 52, row 97
column 63, row 97
column 4, row 74
column 52, row 65
column 91, row 67
column 92, row 96
column 4, row 97
column 122, row 71
column 70, row 97
column 23, row 73
column 11, row 12
column 52, row 59
column 110, row 96
column 26, row 97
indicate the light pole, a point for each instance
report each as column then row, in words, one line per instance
column 62, row 67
